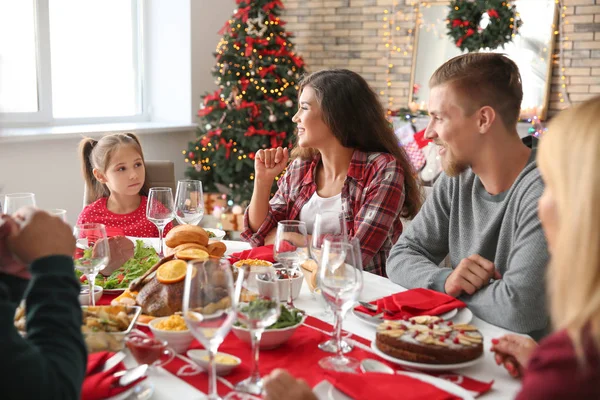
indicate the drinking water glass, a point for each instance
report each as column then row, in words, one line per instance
column 258, row 307
column 159, row 211
column 209, row 307
column 189, row 202
column 291, row 250
column 91, row 253
column 59, row 212
column 14, row 201
column 340, row 282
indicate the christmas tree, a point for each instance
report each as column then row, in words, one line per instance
column 257, row 72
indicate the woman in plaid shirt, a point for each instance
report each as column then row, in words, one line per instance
column 345, row 148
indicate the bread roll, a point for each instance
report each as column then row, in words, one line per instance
column 186, row 234
column 217, row 249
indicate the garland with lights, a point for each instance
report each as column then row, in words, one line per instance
column 257, row 72
column 482, row 24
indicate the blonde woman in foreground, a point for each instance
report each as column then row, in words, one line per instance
column 566, row 365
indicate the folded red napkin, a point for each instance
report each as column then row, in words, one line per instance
column 101, row 385
column 259, row 253
column 374, row 385
column 412, row 303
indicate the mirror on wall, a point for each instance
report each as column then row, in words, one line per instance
column 531, row 50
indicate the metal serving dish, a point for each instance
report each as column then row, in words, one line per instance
column 102, row 333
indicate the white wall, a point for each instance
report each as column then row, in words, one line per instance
column 184, row 36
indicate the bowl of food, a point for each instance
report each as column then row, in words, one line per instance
column 224, row 363
column 173, row 330
column 278, row 333
column 284, row 284
column 105, row 327
column 215, row 235
column 84, row 294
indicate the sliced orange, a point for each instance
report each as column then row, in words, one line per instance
column 171, row 272
column 192, row 254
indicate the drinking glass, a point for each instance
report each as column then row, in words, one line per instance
column 291, row 250
column 209, row 308
column 14, row 201
column 59, row 212
column 340, row 282
column 189, row 202
column 91, row 239
column 159, row 211
column 258, row 307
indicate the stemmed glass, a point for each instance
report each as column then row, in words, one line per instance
column 189, row 202
column 91, row 238
column 14, row 201
column 60, row 213
column 340, row 282
column 291, row 250
column 258, row 308
column 159, row 211
column 209, row 306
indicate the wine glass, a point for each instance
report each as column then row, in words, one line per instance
column 14, row 201
column 91, row 238
column 209, row 308
column 189, row 202
column 291, row 250
column 60, row 213
column 159, row 211
column 340, row 282
column 258, row 307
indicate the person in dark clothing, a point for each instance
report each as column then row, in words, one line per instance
column 36, row 265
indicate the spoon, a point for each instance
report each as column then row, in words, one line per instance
column 129, row 376
column 371, row 365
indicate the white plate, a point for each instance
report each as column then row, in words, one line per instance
column 219, row 234
column 422, row 366
column 372, row 321
column 143, row 391
column 464, row 316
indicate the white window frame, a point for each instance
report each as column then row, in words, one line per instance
column 43, row 117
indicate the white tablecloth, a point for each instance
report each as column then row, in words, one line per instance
column 168, row 386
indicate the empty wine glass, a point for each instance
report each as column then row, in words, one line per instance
column 60, row 213
column 257, row 308
column 14, row 201
column 340, row 282
column 189, row 202
column 159, row 211
column 209, row 308
column 291, row 250
column 91, row 254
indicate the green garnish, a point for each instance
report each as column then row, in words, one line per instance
column 143, row 259
column 286, row 318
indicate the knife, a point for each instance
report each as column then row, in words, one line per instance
column 133, row 375
column 113, row 361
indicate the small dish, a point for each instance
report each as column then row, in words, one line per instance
column 84, row 298
column 271, row 338
column 283, row 286
column 218, row 234
column 177, row 340
column 224, row 363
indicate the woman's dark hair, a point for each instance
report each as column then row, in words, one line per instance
column 97, row 154
column 353, row 112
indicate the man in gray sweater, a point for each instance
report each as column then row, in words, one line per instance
column 483, row 210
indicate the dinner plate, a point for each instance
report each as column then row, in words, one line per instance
column 450, row 315
column 422, row 366
column 235, row 246
column 324, row 390
column 142, row 391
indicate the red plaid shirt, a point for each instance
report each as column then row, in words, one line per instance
column 372, row 199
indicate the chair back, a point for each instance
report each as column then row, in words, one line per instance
column 158, row 173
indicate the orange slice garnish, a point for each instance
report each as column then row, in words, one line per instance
column 171, row 272
column 192, row 254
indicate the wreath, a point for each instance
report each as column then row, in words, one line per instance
column 482, row 24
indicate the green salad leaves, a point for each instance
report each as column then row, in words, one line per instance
column 286, row 319
column 143, row 259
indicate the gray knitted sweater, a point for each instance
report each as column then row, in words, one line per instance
column 460, row 218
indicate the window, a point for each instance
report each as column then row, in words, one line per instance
column 71, row 61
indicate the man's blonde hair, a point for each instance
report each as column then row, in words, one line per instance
column 484, row 79
column 569, row 159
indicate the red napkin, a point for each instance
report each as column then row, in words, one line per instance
column 414, row 302
column 374, row 385
column 99, row 385
column 259, row 253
